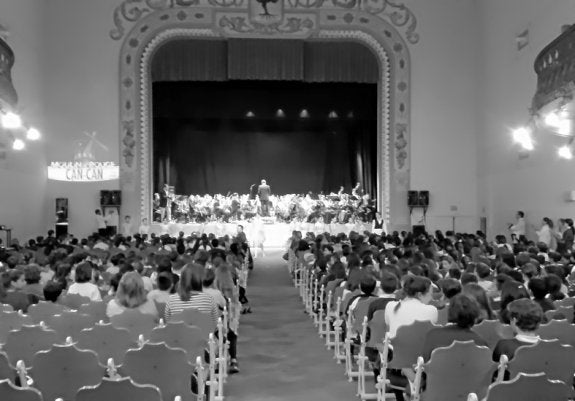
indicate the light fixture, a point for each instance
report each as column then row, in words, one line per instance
column 250, row 114
column 332, row 114
column 350, row 114
column 32, row 134
column 280, row 113
column 552, row 119
column 11, row 120
column 18, row 144
column 565, row 152
column 564, row 128
column 522, row 136
column 304, row 113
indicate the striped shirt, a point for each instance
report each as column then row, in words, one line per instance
column 198, row 300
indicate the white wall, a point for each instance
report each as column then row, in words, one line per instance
column 538, row 184
column 22, row 174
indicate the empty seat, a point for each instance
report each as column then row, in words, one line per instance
column 69, row 324
column 123, row 389
column 12, row 321
column 96, row 310
column 74, row 301
column 528, row 387
column 107, row 341
column 194, row 317
column 10, row 392
column 43, row 311
column 180, row 335
column 562, row 330
column 24, row 343
column 136, row 322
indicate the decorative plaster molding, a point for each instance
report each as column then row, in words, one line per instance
column 401, row 16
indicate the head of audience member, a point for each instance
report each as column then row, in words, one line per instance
column 83, row 273
column 209, row 278
column 338, row 270
column 475, row 291
column 467, row 278
column 353, row 279
column 418, row 287
column 17, row 279
column 131, row 292
column 553, row 284
column 538, row 288
column 367, row 283
column 525, row 315
column 32, row 274
column 389, row 282
column 191, row 280
column 164, row 281
column 52, row 291
column 450, row 287
column 464, row 311
column 511, row 291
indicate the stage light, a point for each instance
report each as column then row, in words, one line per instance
column 250, row 114
column 350, row 114
column 18, row 144
column 11, row 120
column 33, row 134
column 304, row 114
column 332, row 114
column 280, row 113
column 565, row 152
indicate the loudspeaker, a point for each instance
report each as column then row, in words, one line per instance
column 418, row 230
column 62, row 209
column 110, row 198
column 424, row 198
column 412, row 198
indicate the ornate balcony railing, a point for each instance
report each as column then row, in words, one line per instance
column 7, row 92
column 555, row 68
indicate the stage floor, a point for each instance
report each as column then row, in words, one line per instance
column 273, row 234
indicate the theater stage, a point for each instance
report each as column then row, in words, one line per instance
column 275, row 234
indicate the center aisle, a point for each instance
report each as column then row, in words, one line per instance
column 280, row 355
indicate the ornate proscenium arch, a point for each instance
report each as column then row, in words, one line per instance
column 370, row 22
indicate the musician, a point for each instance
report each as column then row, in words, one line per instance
column 378, row 224
column 264, row 192
column 166, row 203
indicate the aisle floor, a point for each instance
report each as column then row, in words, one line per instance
column 280, row 354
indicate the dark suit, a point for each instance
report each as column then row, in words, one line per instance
column 264, row 192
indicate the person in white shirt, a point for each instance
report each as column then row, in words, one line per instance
column 100, row 222
column 545, row 234
column 144, row 227
column 413, row 307
column 83, row 286
column 127, row 226
column 112, row 222
column 518, row 229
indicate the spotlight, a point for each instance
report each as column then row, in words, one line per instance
column 565, row 152
column 280, row 113
column 18, row 144
column 304, row 114
column 11, row 120
column 332, row 114
column 350, row 114
column 250, row 114
column 523, row 137
column 33, row 134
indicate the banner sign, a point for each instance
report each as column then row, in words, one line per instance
column 83, row 171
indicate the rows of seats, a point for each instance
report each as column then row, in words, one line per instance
column 457, row 372
column 56, row 352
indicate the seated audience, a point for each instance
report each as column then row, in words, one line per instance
column 477, row 292
column 83, row 286
column 131, row 294
column 11, row 292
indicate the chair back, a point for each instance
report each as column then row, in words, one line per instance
column 43, row 311
column 457, row 370
column 107, row 342
column 74, row 301
column 63, row 370
column 377, row 329
column 6, row 371
column 561, row 330
column 337, row 293
column 408, row 344
column 346, row 301
column 528, row 387
column 161, row 307
column 10, row 392
column 551, row 357
column 360, row 312
column 566, row 302
column 24, row 343
column 193, row 317
column 122, row 389
column 136, row 322
column 12, row 321
column 180, row 335
column 69, row 324
column 492, row 331
column 96, row 310
column 560, row 313
column 162, row 366
column 6, row 308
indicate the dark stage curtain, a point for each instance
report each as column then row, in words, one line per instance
column 229, row 156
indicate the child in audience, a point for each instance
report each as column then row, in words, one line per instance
column 83, row 286
column 33, row 286
column 164, row 283
column 11, row 292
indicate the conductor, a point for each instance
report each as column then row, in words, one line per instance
column 264, row 192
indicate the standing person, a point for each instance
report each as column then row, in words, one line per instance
column 166, row 203
column 100, row 223
column 144, row 227
column 545, row 234
column 264, row 192
column 127, row 226
column 112, row 222
column 518, row 229
column 378, row 224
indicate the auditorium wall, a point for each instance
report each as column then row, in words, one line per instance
column 22, row 174
column 538, row 184
column 81, row 80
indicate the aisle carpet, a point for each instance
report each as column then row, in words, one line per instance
column 280, row 354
